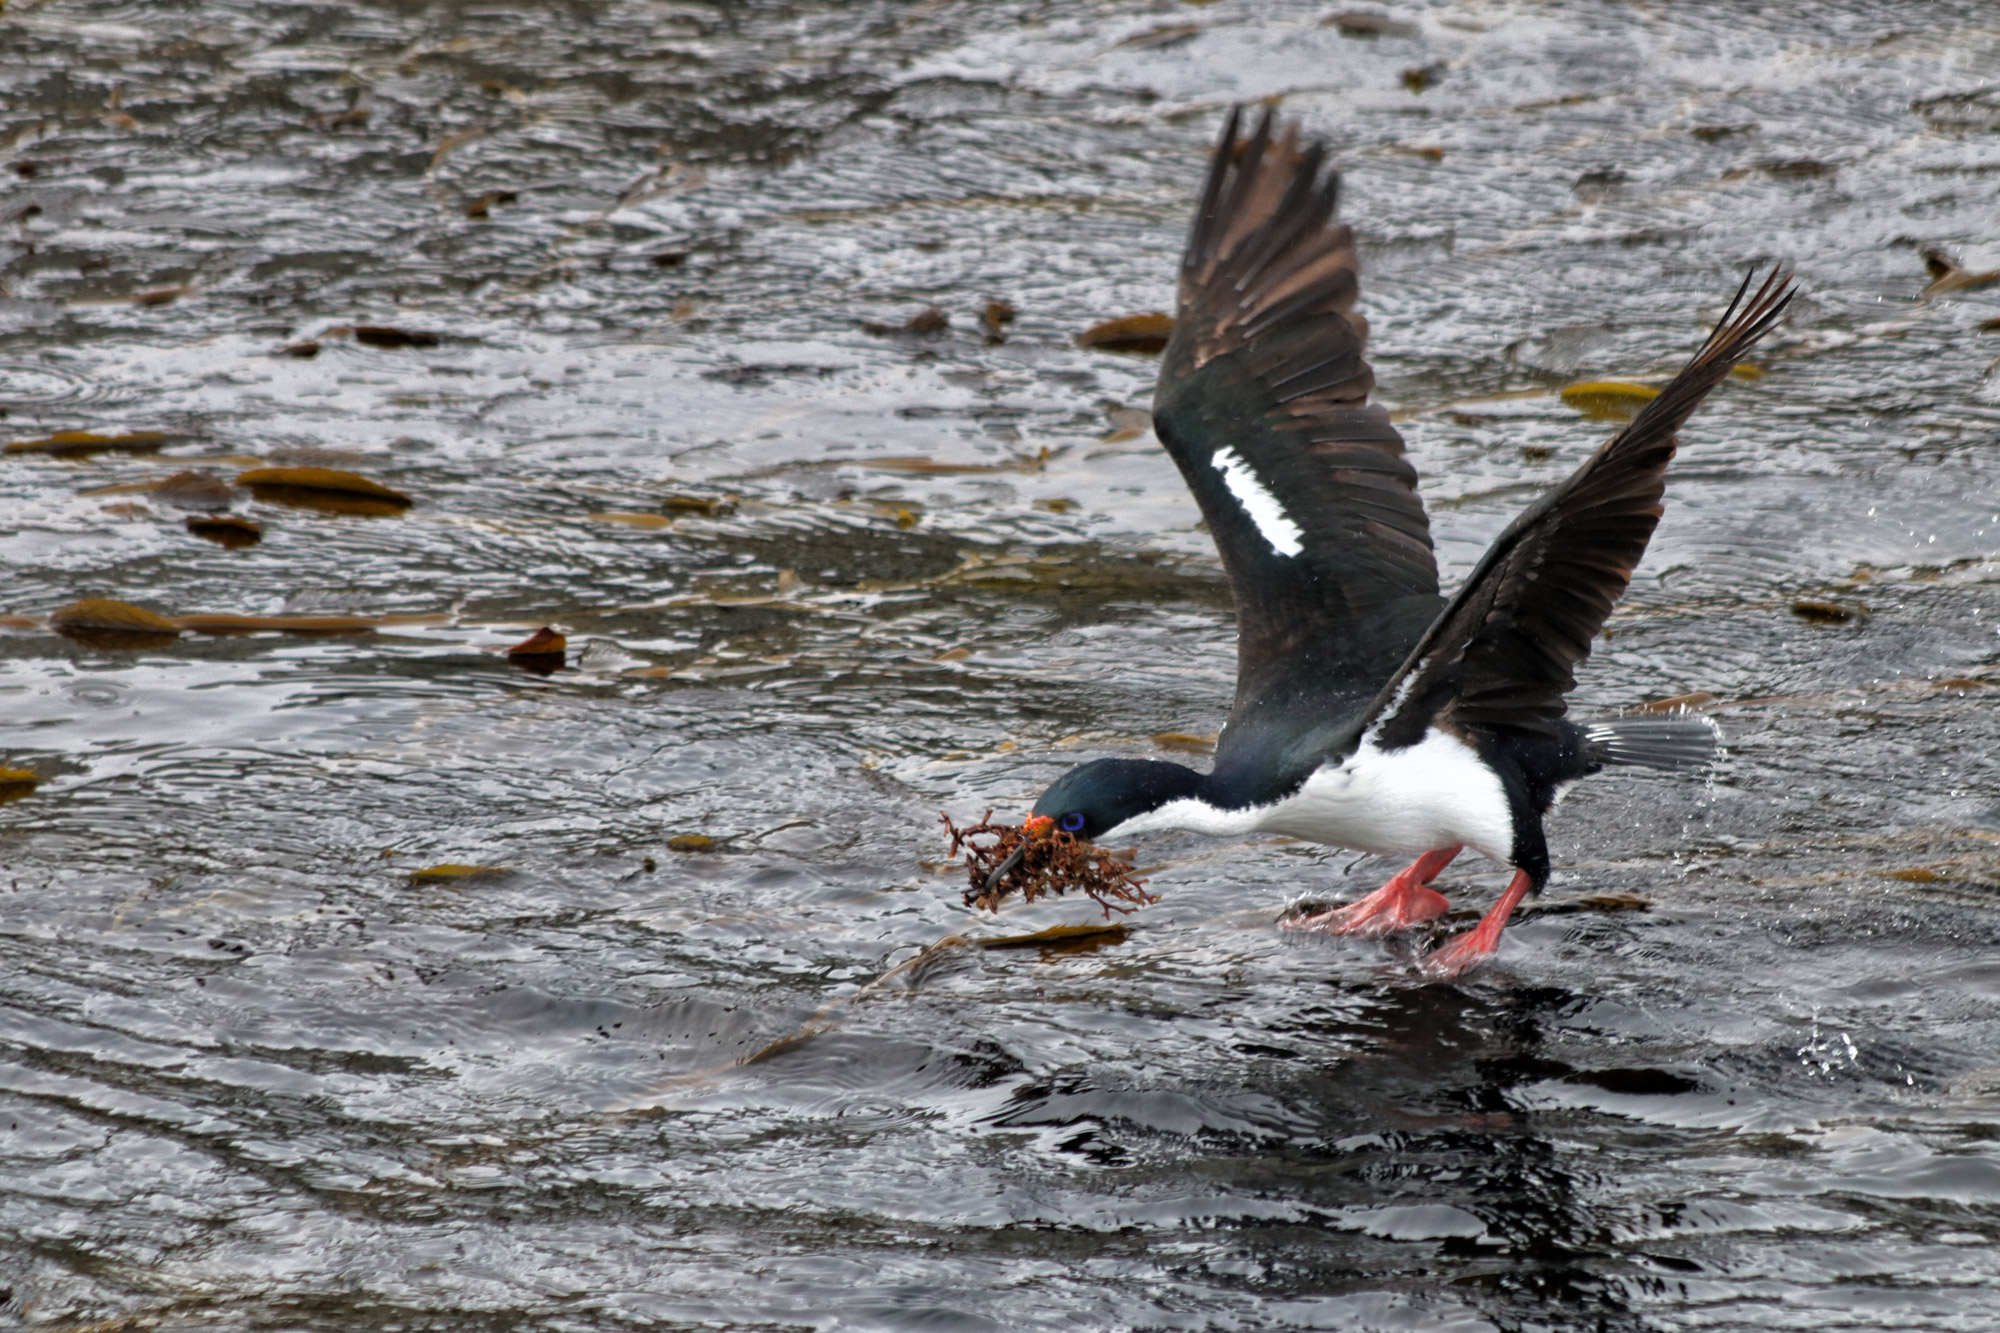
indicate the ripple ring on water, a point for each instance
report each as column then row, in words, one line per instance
column 26, row 385
column 97, row 693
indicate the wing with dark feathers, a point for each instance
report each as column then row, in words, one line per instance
column 1262, row 401
column 1504, row 652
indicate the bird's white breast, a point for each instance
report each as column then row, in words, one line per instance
column 1433, row 794
column 1420, row 798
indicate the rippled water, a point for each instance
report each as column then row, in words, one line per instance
column 1740, row 1070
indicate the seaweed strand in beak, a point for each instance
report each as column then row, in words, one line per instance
column 1002, row 870
column 1036, row 858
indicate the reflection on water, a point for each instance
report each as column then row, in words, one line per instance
column 822, row 574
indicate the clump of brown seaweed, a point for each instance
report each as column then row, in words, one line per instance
column 1037, row 858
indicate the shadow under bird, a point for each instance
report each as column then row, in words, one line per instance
column 1371, row 712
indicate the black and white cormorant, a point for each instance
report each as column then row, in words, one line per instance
column 1371, row 712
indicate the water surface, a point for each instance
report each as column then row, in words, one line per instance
column 1741, row 1070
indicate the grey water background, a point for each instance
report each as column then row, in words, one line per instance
column 1740, row 1071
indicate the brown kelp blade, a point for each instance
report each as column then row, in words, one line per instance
column 1037, row 859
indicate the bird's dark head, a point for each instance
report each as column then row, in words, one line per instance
column 1101, row 795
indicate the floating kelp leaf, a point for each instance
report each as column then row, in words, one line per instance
column 1989, row 325
column 304, row 351
column 1416, row 80
column 16, row 783
column 226, row 530
column 65, row 443
column 1602, row 183
column 1960, row 683
column 1717, row 133
column 1746, row 370
column 485, row 203
column 1825, row 613
column 340, row 120
column 385, row 335
column 1613, row 902
column 320, row 479
column 1085, row 938
column 1914, row 875
column 715, row 506
column 670, row 259
column 330, row 502
column 543, row 640
column 541, row 652
column 1609, row 400
column 995, row 319
column 101, row 622
column 454, row 873
column 194, row 490
column 690, row 842
column 323, row 488
column 921, row 466
column 1589, row 902
column 1972, row 112
column 1359, row 24
column 906, row 518
column 162, row 295
column 1132, row 333
column 1154, row 39
column 1040, row 859
column 223, row 623
column 1185, row 742
column 1797, row 169
column 1947, row 275
column 926, row 321
column 633, row 520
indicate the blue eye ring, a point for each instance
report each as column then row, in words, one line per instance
column 1073, row 821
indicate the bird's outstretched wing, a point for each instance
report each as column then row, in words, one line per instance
column 1503, row 654
column 1262, row 401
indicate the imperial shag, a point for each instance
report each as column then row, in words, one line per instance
column 1371, row 712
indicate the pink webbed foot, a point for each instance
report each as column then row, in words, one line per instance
column 1462, row 953
column 1401, row 903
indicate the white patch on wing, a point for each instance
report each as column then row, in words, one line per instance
column 1395, row 704
column 1262, row 506
column 1436, row 793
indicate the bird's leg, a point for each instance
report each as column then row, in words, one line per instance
column 1397, row 905
column 1460, row 954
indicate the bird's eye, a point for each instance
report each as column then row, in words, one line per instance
column 1073, row 821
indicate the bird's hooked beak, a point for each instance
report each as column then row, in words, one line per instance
column 1034, row 826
